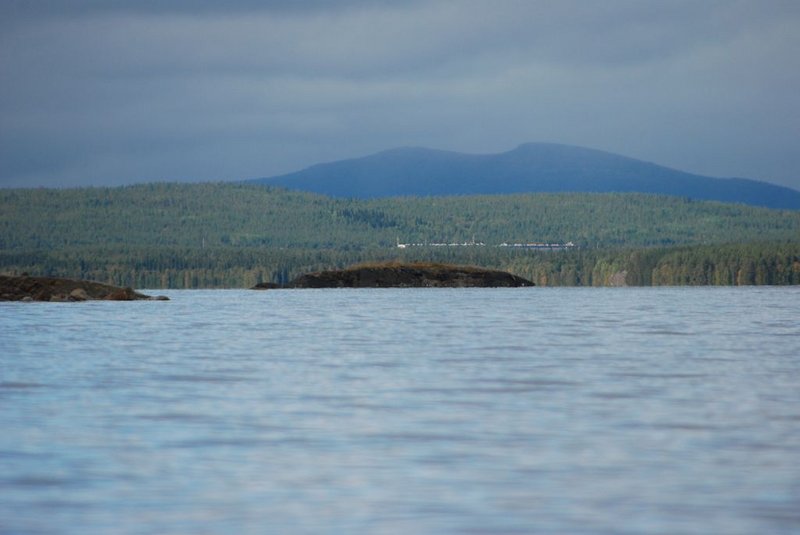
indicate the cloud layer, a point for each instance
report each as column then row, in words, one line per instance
column 112, row 92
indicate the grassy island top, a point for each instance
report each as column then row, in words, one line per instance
column 422, row 266
column 394, row 274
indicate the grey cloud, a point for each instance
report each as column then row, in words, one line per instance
column 22, row 11
column 146, row 90
column 382, row 38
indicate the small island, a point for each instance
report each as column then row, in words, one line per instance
column 410, row 275
column 53, row 289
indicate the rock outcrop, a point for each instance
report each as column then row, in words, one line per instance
column 415, row 275
column 53, row 289
column 266, row 286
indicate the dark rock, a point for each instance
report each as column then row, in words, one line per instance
column 265, row 286
column 79, row 294
column 53, row 289
column 415, row 275
column 121, row 294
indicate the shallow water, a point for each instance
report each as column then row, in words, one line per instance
column 537, row 410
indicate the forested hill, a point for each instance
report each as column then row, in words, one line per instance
column 213, row 215
column 532, row 167
column 234, row 235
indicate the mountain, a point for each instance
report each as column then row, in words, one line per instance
column 532, row 167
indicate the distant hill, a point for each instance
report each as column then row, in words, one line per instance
column 532, row 167
column 238, row 235
column 176, row 215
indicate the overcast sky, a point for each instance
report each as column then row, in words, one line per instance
column 112, row 92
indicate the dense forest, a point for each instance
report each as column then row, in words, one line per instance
column 235, row 235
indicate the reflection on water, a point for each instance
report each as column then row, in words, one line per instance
column 422, row 411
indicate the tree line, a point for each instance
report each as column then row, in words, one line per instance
column 723, row 264
column 236, row 235
column 238, row 215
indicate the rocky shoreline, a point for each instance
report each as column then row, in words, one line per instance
column 53, row 289
column 384, row 275
column 410, row 275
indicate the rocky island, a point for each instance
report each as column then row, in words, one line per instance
column 25, row 288
column 410, row 275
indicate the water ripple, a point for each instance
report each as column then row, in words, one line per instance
column 633, row 410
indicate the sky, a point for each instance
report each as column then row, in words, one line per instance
column 111, row 92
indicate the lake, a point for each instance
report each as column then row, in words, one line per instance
column 413, row 411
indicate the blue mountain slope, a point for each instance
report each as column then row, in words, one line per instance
column 532, row 167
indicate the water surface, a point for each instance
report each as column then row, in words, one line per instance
column 538, row 410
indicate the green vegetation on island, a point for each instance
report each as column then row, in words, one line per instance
column 409, row 275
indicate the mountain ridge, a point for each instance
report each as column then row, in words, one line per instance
column 532, row 167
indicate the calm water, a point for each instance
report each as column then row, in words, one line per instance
column 404, row 411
